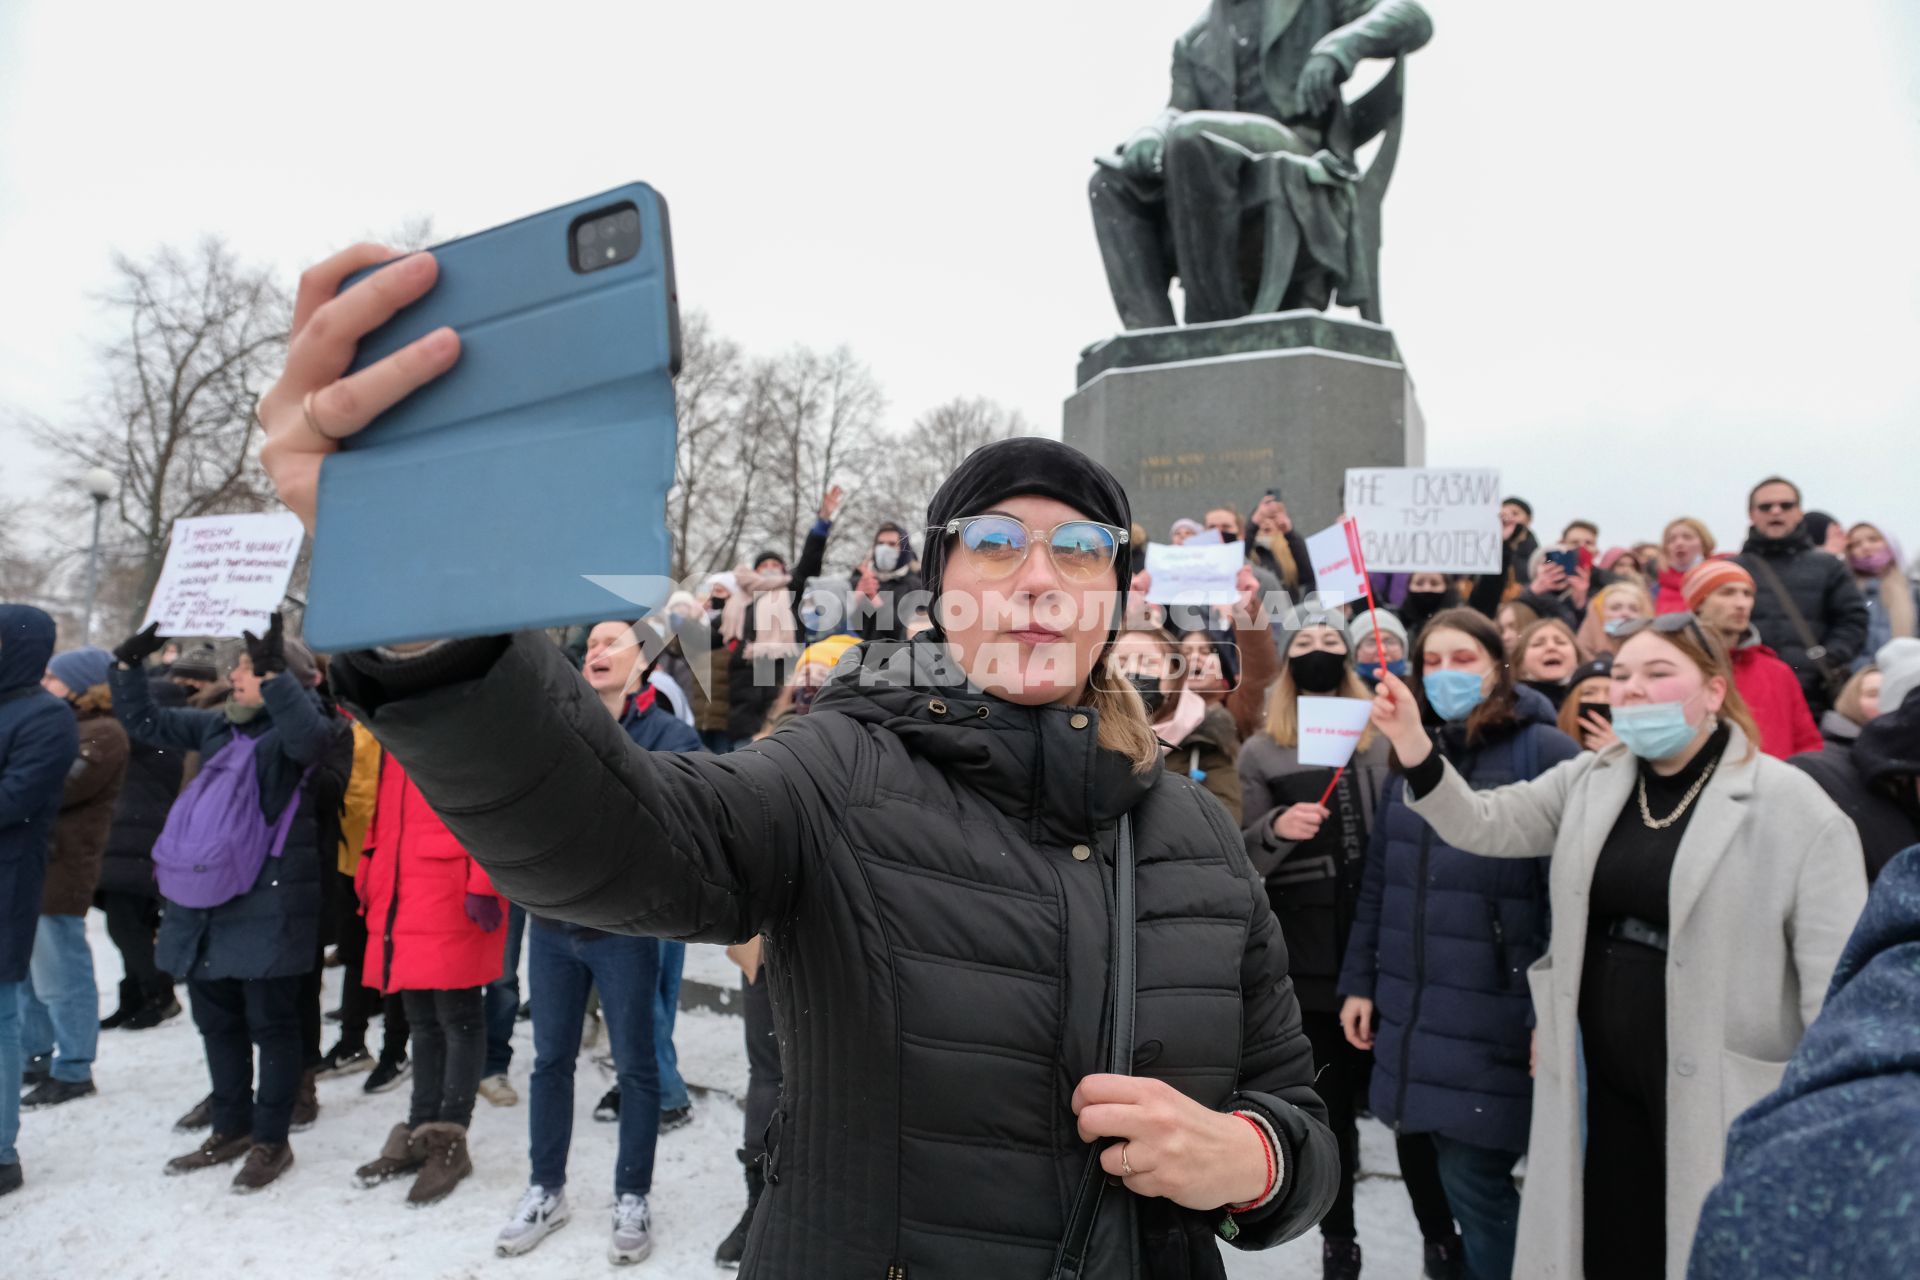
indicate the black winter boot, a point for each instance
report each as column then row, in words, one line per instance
column 1339, row 1258
column 129, row 1005
column 734, row 1247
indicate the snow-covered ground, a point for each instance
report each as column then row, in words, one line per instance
column 97, row 1205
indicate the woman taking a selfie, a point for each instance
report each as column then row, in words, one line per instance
column 1684, row 863
column 942, row 856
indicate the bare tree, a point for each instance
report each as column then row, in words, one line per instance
column 172, row 415
column 822, row 421
column 937, row 442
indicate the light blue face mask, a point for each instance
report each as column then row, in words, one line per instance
column 1654, row 730
column 1454, row 694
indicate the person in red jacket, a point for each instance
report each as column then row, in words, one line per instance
column 433, row 922
column 1720, row 593
column 1685, row 543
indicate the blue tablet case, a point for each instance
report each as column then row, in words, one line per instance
column 491, row 499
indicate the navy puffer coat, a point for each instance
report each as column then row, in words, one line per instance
column 272, row 930
column 1441, row 943
column 38, row 743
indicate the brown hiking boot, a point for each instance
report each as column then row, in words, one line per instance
column 266, row 1161
column 217, row 1149
column 306, row 1104
column 402, row 1154
column 200, row 1117
column 446, row 1165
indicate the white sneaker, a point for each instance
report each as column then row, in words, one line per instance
column 632, row 1231
column 499, row 1091
column 539, row 1215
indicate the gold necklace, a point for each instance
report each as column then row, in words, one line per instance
column 1693, row 792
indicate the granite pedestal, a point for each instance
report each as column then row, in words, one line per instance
column 1213, row 414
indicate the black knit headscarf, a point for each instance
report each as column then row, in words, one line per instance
column 1010, row 468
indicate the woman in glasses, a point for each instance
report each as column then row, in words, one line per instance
column 1701, row 894
column 932, row 855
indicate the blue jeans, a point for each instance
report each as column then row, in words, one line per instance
column 503, row 999
column 562, row 966
column 12, row 1063
column 1486, row 1204
column 59, row 1005
column 666, row 1003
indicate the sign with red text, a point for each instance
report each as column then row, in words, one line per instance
column 225, row 574
column 1330, row 729
column 1427, row 519
column 1336, row 569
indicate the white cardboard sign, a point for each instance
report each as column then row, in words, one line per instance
column 1427, row 519
column 1196, row 573
column 1330, row 729
column 1336, row 571
column 225, row 574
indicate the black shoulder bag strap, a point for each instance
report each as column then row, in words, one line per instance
column 1071, row 1260
column 1817, row 652
column 1794, row 616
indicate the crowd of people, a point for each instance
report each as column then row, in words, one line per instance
column 1577, row 900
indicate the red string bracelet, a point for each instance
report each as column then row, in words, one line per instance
column 1266, row 1149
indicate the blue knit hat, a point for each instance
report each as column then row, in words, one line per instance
column 81, row 669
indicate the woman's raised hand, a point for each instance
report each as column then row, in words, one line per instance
column 313, row 407
column 1397, row 716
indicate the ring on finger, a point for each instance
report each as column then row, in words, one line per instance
column 306, row 408
column 1126, row 1170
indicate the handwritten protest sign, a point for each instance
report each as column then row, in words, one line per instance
column 1195, row 573
column 224, row 574
column 1336, row 569
column 1330, row 729
column 1427, row 519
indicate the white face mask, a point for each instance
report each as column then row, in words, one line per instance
column 886, row 557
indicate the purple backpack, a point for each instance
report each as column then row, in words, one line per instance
column 216, row 839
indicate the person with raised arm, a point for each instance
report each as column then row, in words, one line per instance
column 1701, row 894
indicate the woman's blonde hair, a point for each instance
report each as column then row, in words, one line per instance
column 1283, row 709
column 1700, row 530
column 1592, row 639
column 1896, row 596
column 1124, row 725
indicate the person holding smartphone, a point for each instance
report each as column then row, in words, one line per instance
column 932, row 855
column 1587, row 714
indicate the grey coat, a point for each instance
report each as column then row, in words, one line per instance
column 1766, row 888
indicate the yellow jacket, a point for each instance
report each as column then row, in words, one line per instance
column 363, row 784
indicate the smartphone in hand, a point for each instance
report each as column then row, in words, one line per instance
column 527, row 487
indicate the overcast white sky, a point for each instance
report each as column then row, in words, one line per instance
column 1638, row 253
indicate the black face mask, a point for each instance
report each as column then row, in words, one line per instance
column 1426, row 599
column 1318, row 672
column 1148, row 687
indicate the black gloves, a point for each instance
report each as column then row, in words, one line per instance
column 267, row 654
column 138, row 647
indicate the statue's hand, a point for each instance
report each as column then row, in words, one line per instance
column 1143, row 154
column 1320, row 80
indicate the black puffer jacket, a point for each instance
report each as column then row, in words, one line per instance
column 1824, row 591
column 932, row 871
column 153, row 781
column 1873, row 780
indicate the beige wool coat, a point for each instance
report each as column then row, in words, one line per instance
column 1766, row 887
